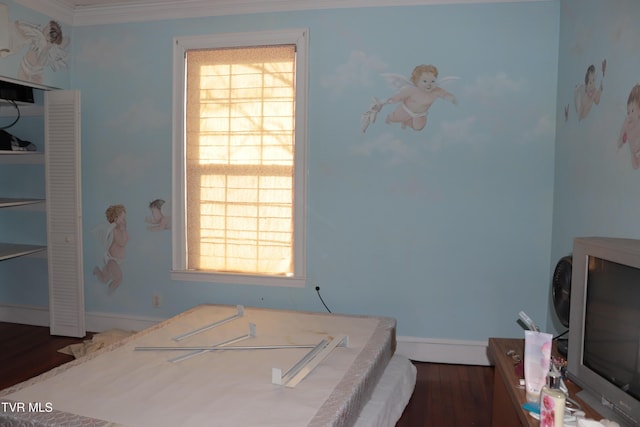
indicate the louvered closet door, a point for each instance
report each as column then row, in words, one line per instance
column 64, row 213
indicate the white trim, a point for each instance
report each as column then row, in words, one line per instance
column 178, row 155
column 54, row 9
column 237, row 279
column 25, row 314
column 154, row 10
column 95, row 321
column 62, row 130
column 100, row 322
column 443, row 350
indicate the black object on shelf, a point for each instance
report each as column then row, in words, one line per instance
column 13, row 143
column 16, row 92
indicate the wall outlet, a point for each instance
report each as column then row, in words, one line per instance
column 156, row 301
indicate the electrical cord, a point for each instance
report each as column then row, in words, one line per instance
column 561, row 335
column 17, row 118
column 321, row 300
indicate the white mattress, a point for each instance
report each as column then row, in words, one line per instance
column 390, row 396
column 120, row 386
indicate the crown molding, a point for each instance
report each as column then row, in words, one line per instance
column 54, row 9
column 154, row 10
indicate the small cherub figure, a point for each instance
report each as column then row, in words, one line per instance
column 116, row 239
column 157, row 219
column 586, row 94
column 415, row 97
column 630, row 132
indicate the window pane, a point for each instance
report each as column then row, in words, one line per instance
column 240, row 154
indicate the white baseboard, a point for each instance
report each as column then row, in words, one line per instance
column 94, row 321
column 414, row 348
column 443, row 351
column 25, row 314
column 100, row 322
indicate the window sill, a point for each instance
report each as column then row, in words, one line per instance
column 238, row 279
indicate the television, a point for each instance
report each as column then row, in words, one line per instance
column 604, row 326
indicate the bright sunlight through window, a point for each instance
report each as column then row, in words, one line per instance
column 240, row 107
column 240, row 154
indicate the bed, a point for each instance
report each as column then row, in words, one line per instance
column 142, row 381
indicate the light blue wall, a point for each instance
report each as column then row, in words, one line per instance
column 447, row 229
column 597, row 191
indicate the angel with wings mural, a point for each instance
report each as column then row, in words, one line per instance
column 414, row 97
column 587, row 94
column 46, row 47
column 630, row 132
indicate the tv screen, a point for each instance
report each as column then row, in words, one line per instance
column 604, row 326
column 612, row 323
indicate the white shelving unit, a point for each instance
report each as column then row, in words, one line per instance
column 59, row 157
column 8, row 111
column 14, row 250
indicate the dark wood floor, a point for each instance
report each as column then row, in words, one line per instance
column 27, row 351
column 444, row 396
column 450, row 396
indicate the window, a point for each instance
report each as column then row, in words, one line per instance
column 239, row 153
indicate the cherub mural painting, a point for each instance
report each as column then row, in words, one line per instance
column 158, row 220
column 414, row 97
column 45, row 46
column 630, row 132
column 114, row 239
column 586, row 94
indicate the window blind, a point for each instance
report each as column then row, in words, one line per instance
column 239, row 121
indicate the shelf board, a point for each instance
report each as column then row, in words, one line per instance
column 13, row 250
column 21, row 157
column 7, row 202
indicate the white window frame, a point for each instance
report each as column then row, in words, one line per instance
column 299, row 37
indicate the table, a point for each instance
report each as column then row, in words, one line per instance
column 508, row 395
